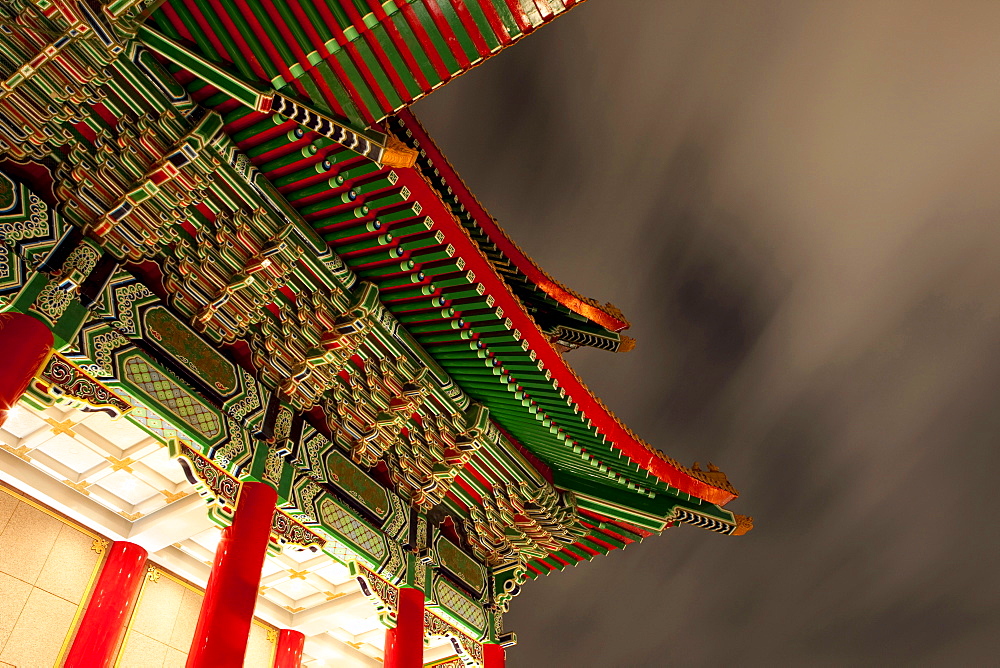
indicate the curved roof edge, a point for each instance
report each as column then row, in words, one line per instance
column 606, row 315
column 708, row 486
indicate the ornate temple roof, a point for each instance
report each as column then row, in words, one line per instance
column 501, row 253
column 558, row 310
column 237, row 220
column 375, row 218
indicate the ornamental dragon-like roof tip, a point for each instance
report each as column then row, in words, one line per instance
column 744, row 524
column 713, row 476
column 398, row 155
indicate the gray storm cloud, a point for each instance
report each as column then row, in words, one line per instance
column 797, row 206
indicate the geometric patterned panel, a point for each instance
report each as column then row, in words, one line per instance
column 460, row 564
column 463, row 608
column 168, row 393
column 357, row 532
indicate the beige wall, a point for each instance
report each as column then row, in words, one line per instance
column 47, row 567
column 46, row 570
column 162, row 627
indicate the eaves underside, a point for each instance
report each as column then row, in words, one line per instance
column 493, row 351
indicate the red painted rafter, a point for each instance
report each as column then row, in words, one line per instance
column 238, row 39
column 510, row 250
column 401, row 46
column 470, row 26
column 418, row 29
column 499, row 29
column 437, row 16
column 380, row 56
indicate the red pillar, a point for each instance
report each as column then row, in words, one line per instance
column 404, row 645
column 25, row 344
column 111, row 603
column 220, row 638
column 493, row 656
column 289, row 652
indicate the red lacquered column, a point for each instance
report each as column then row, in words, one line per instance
column 25, row 344
column 111, row 603
column 404, row 645
column 220, row 638
column 289, row 652
column 494, row 656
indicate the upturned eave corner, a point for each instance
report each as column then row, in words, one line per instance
column 744, row 524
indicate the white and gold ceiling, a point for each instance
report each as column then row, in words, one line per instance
column 116, row 479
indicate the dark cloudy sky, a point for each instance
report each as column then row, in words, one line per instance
column 797, row 205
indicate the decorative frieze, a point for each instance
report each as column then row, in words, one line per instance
column 65, row 380
column 383, row 595
column 221, row 491
column 468, row 651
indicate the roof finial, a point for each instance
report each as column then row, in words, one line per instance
column 744, row 523
column 397, row 154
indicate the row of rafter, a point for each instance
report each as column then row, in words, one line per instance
column 360, row 59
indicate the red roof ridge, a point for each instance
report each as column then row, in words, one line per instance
column 606, row 315
column 715, row 479
column 708, row 487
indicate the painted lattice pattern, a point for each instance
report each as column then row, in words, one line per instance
column 459, row 604
column 359, row 533
column 171, row 395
